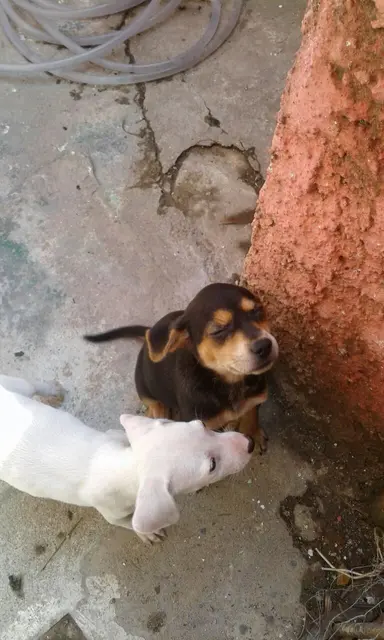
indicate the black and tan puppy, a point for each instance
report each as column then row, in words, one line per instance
column 207, row 361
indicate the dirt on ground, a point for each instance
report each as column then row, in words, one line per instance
column 337, row 515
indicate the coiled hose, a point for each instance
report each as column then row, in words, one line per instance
column 48, row 15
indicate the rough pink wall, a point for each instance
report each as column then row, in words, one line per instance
column 317, row 252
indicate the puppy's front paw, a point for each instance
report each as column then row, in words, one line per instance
column 51, row 393
column 152, row 538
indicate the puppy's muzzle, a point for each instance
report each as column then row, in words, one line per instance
column 264, row 351
column 262, row 348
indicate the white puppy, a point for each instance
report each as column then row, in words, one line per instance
column 130, row 478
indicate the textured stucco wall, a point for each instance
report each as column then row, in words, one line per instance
column 317, row 252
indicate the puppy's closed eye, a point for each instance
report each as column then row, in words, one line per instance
column 219, row 330
column 212, row 464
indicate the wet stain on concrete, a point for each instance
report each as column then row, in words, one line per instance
column 40, row 549
column 102, row 138
column 122, row 100
column 156, row 621
column 212, row 121
column 16, row 584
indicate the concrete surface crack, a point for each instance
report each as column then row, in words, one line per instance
column 67, row 537
column 122, row 21
column 92, row 170
column 151, row 170
column 150, row 167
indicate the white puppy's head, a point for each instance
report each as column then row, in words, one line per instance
column 178, row 457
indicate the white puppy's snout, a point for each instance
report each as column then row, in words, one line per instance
column 241, row 444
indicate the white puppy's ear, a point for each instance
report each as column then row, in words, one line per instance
column 136, row 426
column 155, row 507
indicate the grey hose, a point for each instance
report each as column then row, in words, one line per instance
column 48, row 14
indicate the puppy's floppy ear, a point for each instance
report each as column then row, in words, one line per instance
column 136, row 426
column 168, row 335
column 155, row 507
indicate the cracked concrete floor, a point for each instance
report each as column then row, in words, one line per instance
column 111, row 208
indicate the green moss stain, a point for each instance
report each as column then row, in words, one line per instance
column 28, row 294
column 17, row 250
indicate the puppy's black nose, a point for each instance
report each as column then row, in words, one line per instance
column 262, row 348
column 251, row 444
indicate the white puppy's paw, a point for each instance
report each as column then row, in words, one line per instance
column 55, row 388
column 52, row 393
column 152, row 538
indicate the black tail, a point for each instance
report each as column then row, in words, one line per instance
column 135, row 331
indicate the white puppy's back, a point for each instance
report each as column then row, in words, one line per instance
column 29, row 428
column 131, row 478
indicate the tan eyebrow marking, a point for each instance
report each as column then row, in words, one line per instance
column 222, row 316
column 246, row 304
